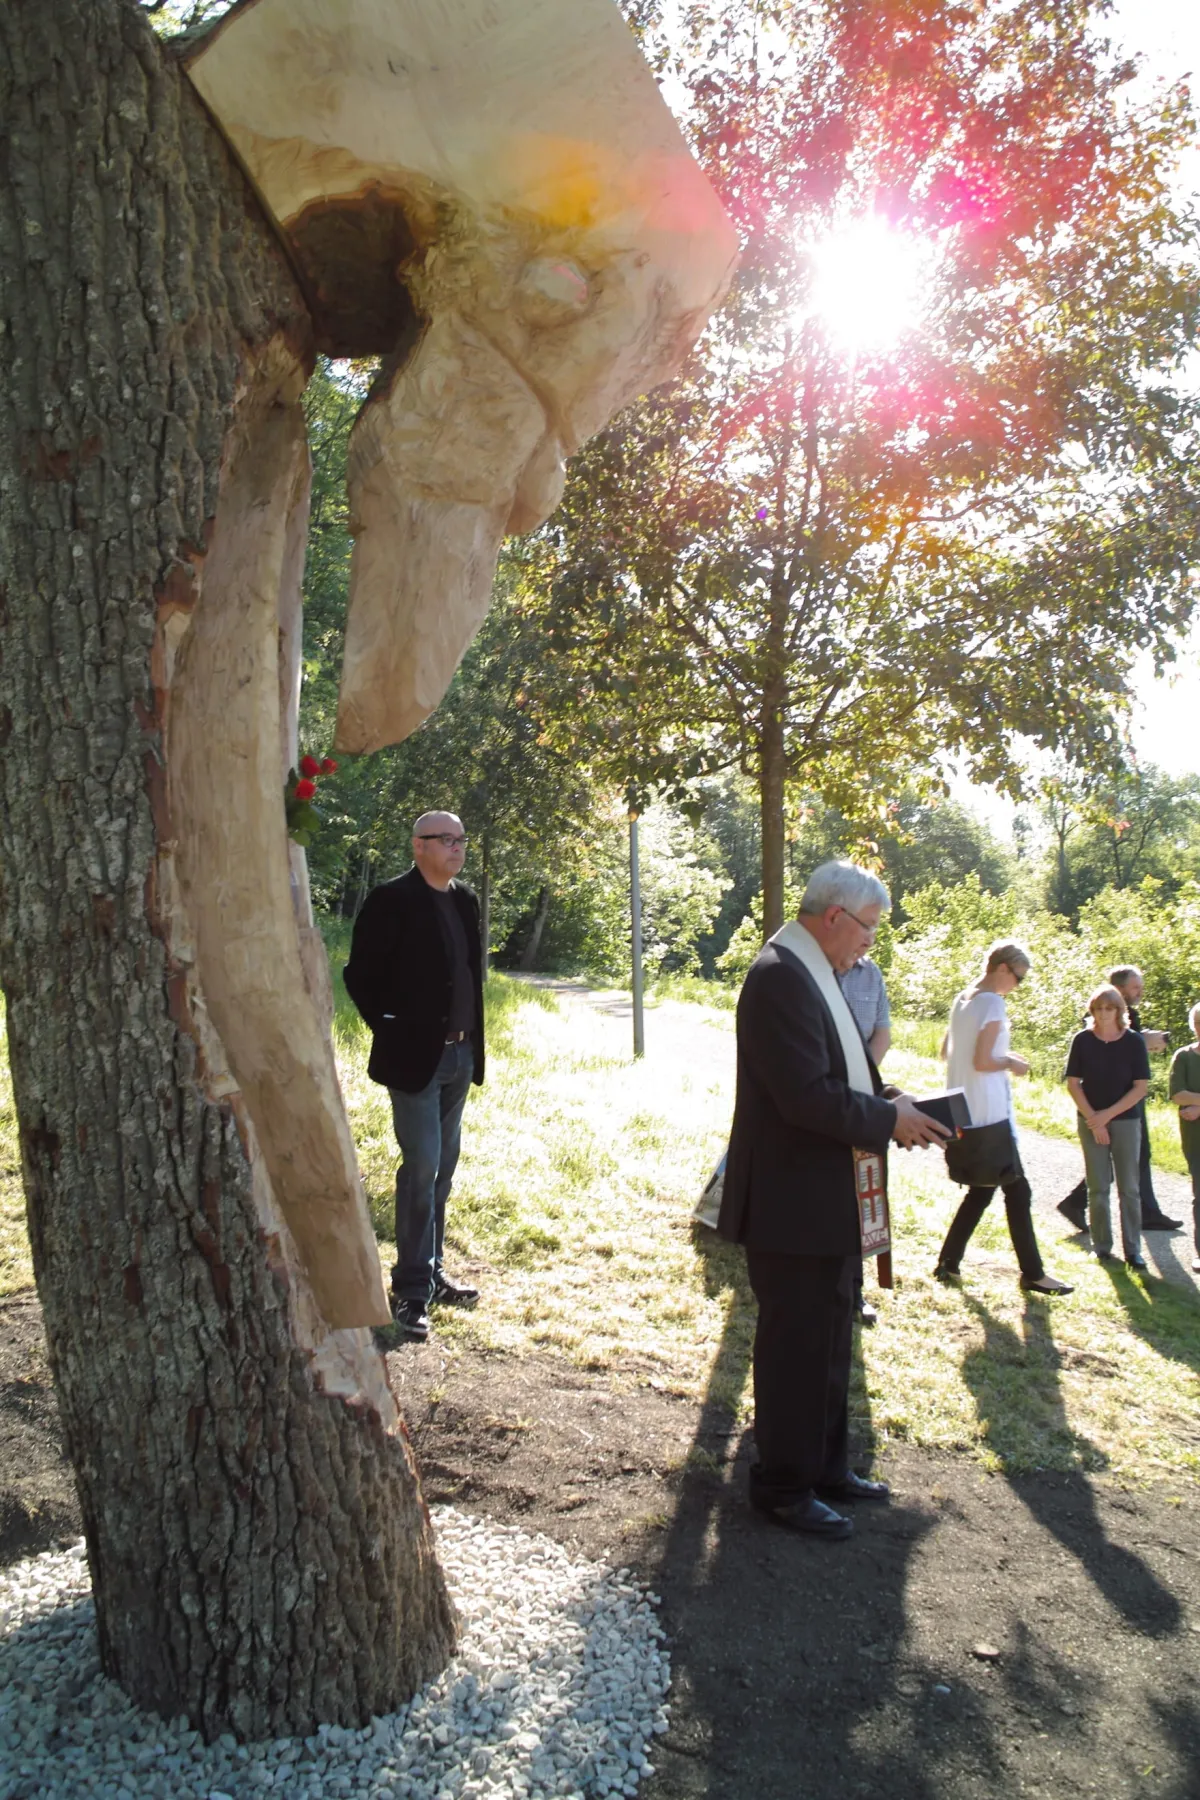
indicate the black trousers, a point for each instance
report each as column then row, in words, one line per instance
column 801, row 1371
column 1150, row 1207
column 1018, row 1199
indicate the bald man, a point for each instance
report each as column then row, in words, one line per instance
column 416, row 976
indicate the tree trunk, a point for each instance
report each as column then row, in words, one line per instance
column 485, row 909
column 529, row 955
column 260, row 1551
column 772, row 776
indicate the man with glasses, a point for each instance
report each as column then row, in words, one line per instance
column 809, row 1118
column 416, row 976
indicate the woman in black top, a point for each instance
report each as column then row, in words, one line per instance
column 1108, row 1074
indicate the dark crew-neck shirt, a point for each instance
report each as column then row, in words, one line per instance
column 454, row 933
column 1108, row 1068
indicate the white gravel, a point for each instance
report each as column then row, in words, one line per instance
column 558, row 1689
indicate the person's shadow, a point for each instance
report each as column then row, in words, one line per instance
column 784, row 1645
column 1000, row 1374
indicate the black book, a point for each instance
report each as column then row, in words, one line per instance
column 949, row 1109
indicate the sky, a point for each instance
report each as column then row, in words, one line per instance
column 1166, row 720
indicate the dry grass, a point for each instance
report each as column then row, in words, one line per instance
column 579, row 1171
column 573, row 1204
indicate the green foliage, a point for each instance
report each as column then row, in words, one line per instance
column 1155, row 926
column 829, row 566
column 1116, row 829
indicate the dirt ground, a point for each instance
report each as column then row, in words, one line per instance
column 978, row 1636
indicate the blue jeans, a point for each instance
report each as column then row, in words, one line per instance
column 1119, row 1156
column 429, row 1132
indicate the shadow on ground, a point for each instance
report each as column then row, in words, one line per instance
column 968, row 1641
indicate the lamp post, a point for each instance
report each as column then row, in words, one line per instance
column 635, row 925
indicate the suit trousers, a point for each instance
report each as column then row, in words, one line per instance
column 802, row 1351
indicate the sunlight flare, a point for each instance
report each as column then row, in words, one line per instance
column 870, row 283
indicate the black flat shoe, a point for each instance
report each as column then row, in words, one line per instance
column 855, row 1487
column 1072, row 1211
column 1160, row 1222
column 1137, row 1262
column 1046, row 1284
column 947, row 1277
column 807, row 1515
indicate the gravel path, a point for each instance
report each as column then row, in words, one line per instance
column 558, row 1690
column 682, row 1032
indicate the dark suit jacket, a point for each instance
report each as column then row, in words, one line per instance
column 789, row 1177
column 399, row 964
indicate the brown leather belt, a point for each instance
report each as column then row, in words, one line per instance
column 458, row 1038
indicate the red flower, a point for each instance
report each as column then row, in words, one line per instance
column 306, row 789
column 309, row 765
column 328, row 766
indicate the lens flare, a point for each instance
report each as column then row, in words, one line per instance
column 869, row 284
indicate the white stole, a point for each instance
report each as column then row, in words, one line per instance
column 803, row 945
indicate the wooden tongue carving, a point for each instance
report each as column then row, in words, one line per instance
column 493, row 194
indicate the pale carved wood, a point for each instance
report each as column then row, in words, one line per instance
column 552, row 247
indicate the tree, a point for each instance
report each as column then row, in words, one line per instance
column 1116, row 830
column 260, row 1551
column 831, row 563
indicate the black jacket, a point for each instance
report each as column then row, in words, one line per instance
column 399, row 964
column 789, row 1177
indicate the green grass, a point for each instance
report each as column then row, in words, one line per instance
column 572, row 1207
column 1041, row 1105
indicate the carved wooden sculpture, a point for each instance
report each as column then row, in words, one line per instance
column 259, row 1547
column 496, row 196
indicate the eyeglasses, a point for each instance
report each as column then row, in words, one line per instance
column 1018, row 975
column 862, row 923
column 442, row 837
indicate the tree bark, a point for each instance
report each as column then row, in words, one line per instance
column 260, row 1550
column 529, row 955
column 772, row 774
column 485, row 909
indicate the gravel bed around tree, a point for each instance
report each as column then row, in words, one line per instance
column 558, row 1689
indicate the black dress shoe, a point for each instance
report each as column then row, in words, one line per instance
column 1160, row 1222
column 947, row 1277
column 1074, row 1210
column 808, row 1514
column 1137, row 1262
column 452, row 1293
column 412, row 1319
column 855, row 1487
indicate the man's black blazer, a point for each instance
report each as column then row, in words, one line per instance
column 789, row 1176
column 400, row 964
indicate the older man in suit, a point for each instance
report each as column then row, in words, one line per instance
column 808, row 1097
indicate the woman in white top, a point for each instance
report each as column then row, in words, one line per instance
column 986, row 1156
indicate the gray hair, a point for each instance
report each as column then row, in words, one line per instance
column 1194, row 1018
column 843, row 884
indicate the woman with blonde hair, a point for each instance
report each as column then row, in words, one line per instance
column 1108, row 1074
column 986, row 1156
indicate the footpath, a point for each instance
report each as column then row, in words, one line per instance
column 693, row 1037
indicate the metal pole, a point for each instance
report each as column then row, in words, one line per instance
column 635, row 921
